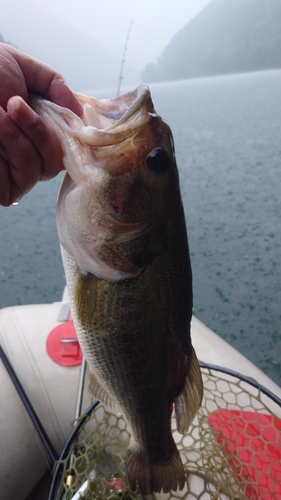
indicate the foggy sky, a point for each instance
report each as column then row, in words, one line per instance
column 84, row 39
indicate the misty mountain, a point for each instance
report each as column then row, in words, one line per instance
column 81, row 58
column 228, row 36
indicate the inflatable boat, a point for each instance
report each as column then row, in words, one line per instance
column 42, row 396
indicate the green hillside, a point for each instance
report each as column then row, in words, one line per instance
column 228, row 36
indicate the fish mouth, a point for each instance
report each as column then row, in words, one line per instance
column 104, row 122
column 109, row 122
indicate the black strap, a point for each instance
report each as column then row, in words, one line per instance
column 29, row 408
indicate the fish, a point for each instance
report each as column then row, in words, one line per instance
column 122, row 230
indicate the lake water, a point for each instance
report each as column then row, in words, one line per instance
column 227, row 133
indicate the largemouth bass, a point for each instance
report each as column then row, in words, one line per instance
column 121, row 225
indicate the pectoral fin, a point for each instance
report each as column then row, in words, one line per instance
column 190, row 398
column 85, row 292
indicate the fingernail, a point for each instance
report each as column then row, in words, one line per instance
column 19, row 110
column 14, row 104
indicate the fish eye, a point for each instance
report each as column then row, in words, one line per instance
column 158, row 160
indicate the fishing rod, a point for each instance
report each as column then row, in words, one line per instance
column 123, row 59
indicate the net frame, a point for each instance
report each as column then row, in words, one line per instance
column 212, row 463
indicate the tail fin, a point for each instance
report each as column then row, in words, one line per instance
column 153, row 476
column 190, row 398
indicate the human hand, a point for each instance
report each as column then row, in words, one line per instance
column 29, row 149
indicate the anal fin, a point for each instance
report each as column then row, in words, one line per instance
column 190, row 398
column 97, row 390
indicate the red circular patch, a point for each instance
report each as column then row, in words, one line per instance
column 63, row 346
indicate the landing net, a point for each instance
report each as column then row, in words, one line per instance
column 231, row 451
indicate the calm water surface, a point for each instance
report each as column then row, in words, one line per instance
column 227, row 133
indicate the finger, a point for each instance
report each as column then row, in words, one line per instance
column 23, row 161
column 9, row 192
column 42, row 137
column 45, row 81
column 12, row 79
